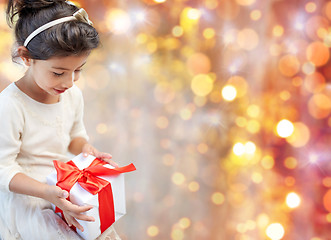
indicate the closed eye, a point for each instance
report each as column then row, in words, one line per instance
column 58, row 74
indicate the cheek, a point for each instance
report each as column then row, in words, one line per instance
column 76, row 77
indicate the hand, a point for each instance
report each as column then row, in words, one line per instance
column 88, row 149
column 71, row 212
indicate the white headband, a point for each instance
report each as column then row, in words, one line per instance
column 80, row 15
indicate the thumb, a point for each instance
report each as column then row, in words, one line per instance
column 63, row 194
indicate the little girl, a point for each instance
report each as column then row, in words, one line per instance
column 41, row 119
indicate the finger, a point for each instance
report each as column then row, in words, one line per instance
column 68, row 219
column 77, row 225
column 104, row 156
column 87, row 150
column 111, row 162
column 75, row 208
column 61, row 193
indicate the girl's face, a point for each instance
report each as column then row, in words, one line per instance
column 55, row 75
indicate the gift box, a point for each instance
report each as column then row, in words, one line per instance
column 90, row 181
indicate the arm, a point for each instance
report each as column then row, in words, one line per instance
column 24, row 184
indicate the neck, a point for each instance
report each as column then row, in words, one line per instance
column 27, row 85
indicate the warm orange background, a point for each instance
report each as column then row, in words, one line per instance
column 224, row 108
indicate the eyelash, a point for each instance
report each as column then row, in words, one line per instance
column 60, row 74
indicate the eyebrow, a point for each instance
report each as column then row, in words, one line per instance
column 66, row 69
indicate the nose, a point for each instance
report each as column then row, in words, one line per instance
column 69, row 81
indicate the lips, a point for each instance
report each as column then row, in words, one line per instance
column 59, row 91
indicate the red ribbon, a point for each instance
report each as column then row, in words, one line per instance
column 68, row 174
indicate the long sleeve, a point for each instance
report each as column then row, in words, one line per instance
column 11, row 128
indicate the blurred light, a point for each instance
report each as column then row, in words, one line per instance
column 300, row 136
column 328, row 218
column 285, row 95
column 319, row 106
column 328, row 10
column 177, row 234
column 293, row 200
column 209, row 33
column 313, row 158
column 139, row 15
column 253, row 126
column 278, row 31
column 318, row 53
column 267, row 162
column 177, row 31
column 164, row 92
column 152, row 231
column 255, row 15
column 194, row 186
column 193, row 14
column 245, row 2
column 233, row 68
column 248, row 39
column 168, row 159
column 308, row 68
column 102, row 128
column 262, row 220
column 240, row 85
column 275, row 231
column 160, row 1
column 275, row 49
column 257, row 177
column 178, row 178
column 241, row 121
column 185, row 114
column 289, row 181
column 297, row 81
column 211, row 4
column 253, row 111
column 184, row 223
column 217, row 198
column 327, row 182
column 310, row 7
column 162, row 122
column 327, row 200
column 116, row 68
column 285, row 128
column 230, row 36
column 239, row 149
column 202, row 85
column 290, row 162
column 289, row 65
column 299, row 25
column 141, row 38
column 118, row 21
column 198, row 63
column 250, row 148
column 202, row 148
column 314, row 82
column 229, row 93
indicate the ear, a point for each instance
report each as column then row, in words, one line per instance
column 23, row 52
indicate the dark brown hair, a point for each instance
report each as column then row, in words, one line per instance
column 68, row 38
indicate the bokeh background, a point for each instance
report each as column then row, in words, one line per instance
column 224, row 108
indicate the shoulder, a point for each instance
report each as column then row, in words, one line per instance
column 9, row 96
column 10, row 103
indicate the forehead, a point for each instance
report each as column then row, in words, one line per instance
column 67, row 62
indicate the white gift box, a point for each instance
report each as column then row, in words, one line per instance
column 80, row 196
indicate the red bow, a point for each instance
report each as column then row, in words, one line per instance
column 68, row 174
